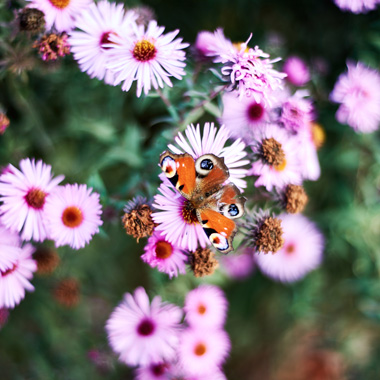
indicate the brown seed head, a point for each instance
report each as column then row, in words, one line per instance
column 203, row 262
column 269, row 235
column 272, row 152
column 138, row 222
column 295, row 199
column 47, row 260
column 31, row 20
column 4, row 123
column 51, row 46
column 67, row 292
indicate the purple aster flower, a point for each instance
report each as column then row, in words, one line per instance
column 250, row 70
column 357, row 6
column 238, row 266
column 73, row 215
column 176, row 220
column 206, row 307
column 96, row 24
column 167, row 257
column 24, row 194
column 148, row 57
column 16, row 268
column 213, row 141
column 358, row 92
column 242, row 116
column 302, row 251
column 296, row 70
column 203, row 351
column 143, row 333
column 277, row 160
column 155, row 371
column 60, row 14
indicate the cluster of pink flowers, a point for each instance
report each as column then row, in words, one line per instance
column 358, row 93
column 357, row 6
column 33, row 205
column 153, row 337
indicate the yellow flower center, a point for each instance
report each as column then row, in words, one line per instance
column 201, row 309
column 163, row 250
column 319, row 135
column 144, row 51
column 281, row 166
column 72, row 217
column 60, row 4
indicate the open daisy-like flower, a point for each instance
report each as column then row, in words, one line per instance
column 24, row 194
column 277, row 160
column 73, row 215
column 167, row 257
column 60, row 14
column 143, row 333
column 177, row 219
column 97, row 23
column 148, row 57
column 213, row 141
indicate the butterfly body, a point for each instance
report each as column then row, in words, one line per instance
column 210, row 201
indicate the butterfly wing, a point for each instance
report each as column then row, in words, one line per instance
column 180, row 170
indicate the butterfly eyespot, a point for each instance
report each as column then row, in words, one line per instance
column 233, row 210
column 219, row 241
column 207, row 164
column 168, row 166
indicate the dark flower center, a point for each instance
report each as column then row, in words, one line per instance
column 158, row 369
column 163, row 250
column 105, row 39
column 8, row 271
column 144, row 51
column 255, row 111
column 35, row 198
column 72, row 217
column 188, row 213
column 146, row 327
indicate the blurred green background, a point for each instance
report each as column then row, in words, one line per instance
column 111, row 140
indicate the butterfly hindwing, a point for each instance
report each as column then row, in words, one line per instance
column 231, row 203
column 180, row 170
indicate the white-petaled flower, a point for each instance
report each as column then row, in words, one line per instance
column 213, row 141
column 90, row 44
column 148, row 57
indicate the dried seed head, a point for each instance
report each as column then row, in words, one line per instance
column 137, row 219
column 51, row 46
column 31, row 20
column 268, row 235
column 295, row 199
column 67, row 292
column 272, row 153
column 47, row 260
column 203, row 262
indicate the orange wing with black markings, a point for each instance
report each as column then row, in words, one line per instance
column 180, row 170
column 219, row 229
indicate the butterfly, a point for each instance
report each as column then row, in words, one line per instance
column 214, row 203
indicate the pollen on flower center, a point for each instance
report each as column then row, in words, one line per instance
column 72, row 217
column 281, row 166
column 163, row 250
column 201, row 309
column 200, row 349
column 272, row 153
column 146, row 327
column 61, row 4
column 8, row 271
column 144, row 51
column 188, row 213
column 36, row 198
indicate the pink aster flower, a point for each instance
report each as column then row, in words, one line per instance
column 302, row 251
column 178, row 373
column 143, row 333
column 97, row 23
column 180, row 227
column 296, row 70
column 206, row 307
column 250, row 70
column 358, row 92
column 148, row 57
column 242, row 116
column 210, row 44
column 214, row 141
column 155, row 371
column 357, row 6
column 277, row 160
column 16, row 269
column 238, row 266
column 202, row 352
column 167, row 257
column 24, row 194
column 60, row 14
column 73, row 215
column 297, row 112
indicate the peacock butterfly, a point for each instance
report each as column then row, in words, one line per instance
column 202, row 183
